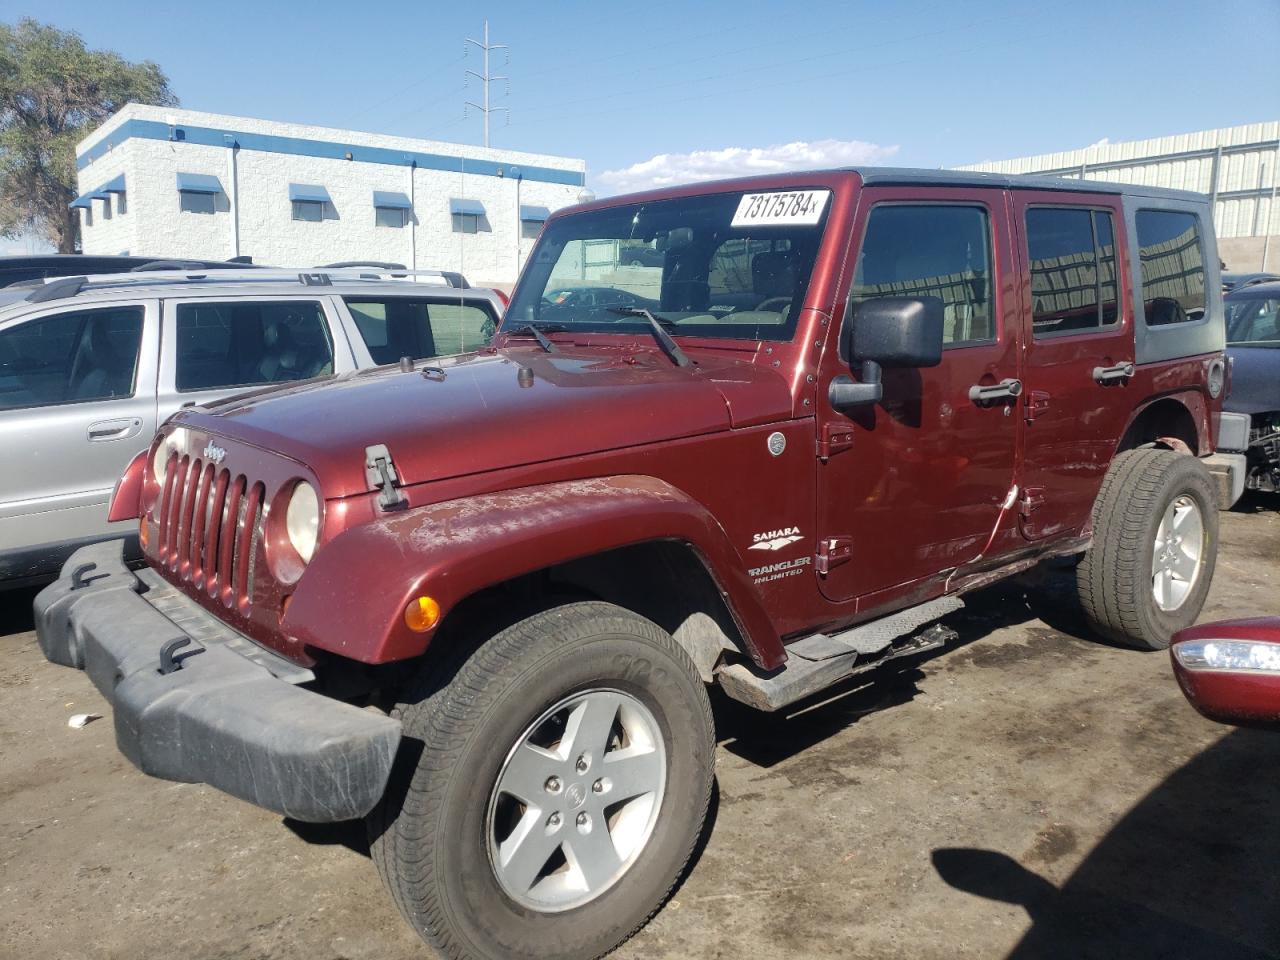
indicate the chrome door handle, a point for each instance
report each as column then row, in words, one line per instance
column 1121, row 371
column 1006, row 389
column 103, row 430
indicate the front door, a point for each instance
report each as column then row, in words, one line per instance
column 77, row 403
column 917, row 484
column 1079, row 349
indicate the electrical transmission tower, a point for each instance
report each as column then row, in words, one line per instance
column 485, row 79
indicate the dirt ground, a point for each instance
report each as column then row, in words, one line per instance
column 1027, row 793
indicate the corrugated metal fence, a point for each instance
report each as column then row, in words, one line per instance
column 1238, row 166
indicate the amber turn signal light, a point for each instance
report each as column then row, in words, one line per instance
column 421, row 614
column 143, row 534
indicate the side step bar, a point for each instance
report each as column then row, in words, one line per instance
column 818, row 661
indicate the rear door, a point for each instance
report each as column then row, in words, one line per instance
column 1079, row 341
column 917, row 484
column 77, row 402
column 214, row 348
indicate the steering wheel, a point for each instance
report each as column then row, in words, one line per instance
column 774, row 305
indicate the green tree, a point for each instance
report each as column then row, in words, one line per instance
column 53, row 92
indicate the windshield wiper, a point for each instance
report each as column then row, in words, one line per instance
column 669, row 346
column 535, row 331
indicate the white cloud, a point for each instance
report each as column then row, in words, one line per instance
column 673, row 168
column 1101, row 143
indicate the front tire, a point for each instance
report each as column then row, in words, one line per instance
column 1155, row 542
column 552, row 791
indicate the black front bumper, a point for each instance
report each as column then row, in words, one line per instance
column 231, row 715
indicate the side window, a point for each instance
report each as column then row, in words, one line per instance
column 70, row 358
column 1074, row 286
column 931, row 250
column 1253, row 319
column 244, row 344
column 1172, row 266
column 395, row 327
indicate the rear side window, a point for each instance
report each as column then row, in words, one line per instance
column 245, row 344
column 1172, row 266
column 1253, row 319
column 1073, row 269
column 935, row 250
column 70, row 358
column 395, row 327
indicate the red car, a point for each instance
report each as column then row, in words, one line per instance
column 1230, row 670
column 847, row 399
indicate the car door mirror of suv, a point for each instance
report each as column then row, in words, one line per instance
column 887, row 332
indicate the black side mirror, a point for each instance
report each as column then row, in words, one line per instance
column 887, row 332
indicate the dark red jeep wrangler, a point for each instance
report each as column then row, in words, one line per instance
column 478, row 601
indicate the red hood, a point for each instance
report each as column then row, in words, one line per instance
column 481, row 412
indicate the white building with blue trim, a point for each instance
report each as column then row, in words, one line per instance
column 168, row 183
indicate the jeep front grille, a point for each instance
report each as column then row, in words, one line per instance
column 210, row 525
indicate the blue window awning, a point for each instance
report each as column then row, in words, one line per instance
column 198, row 183
column 309, row 192
column 84, row 201
column 534, row 214
column 114, row 185
column 388, row 200
column 472, row 208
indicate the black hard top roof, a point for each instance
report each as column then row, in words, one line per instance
column 901, row 176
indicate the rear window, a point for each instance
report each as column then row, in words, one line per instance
column 243, row 344
column 1073, row 270
column 1172, row 258
column 1253, row 319
column 395, row 327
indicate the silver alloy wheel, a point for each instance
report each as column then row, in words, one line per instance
column 576, row 800
column 1177, row 554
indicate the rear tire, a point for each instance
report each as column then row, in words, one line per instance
column 1155, row 541
column 437, row 835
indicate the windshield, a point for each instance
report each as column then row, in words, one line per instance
column 733, row 265
column 1253, row 319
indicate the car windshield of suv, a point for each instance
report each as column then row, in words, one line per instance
column 1253, row 319
column 733, row 265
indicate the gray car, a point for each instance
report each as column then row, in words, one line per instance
column 89, row 368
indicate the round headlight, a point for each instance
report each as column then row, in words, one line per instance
column 160, row 459
column 302, row 520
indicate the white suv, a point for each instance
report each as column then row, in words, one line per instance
column 89, row 367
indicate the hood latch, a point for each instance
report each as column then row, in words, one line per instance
column 380, row 472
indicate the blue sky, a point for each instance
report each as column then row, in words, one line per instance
column 684, row 88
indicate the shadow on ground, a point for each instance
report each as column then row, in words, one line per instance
column 1134, row 896
column 1046, row 593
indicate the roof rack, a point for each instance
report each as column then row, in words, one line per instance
column 62, row 287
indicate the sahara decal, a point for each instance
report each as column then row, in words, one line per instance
column 775, row 539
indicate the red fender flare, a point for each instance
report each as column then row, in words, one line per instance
column 351, row 599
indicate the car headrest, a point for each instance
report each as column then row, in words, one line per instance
column 773, row 275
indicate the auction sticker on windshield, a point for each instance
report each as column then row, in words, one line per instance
column 789, row 207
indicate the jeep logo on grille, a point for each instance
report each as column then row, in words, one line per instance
column 214, row 453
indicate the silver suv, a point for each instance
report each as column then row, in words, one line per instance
column 89, row 367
